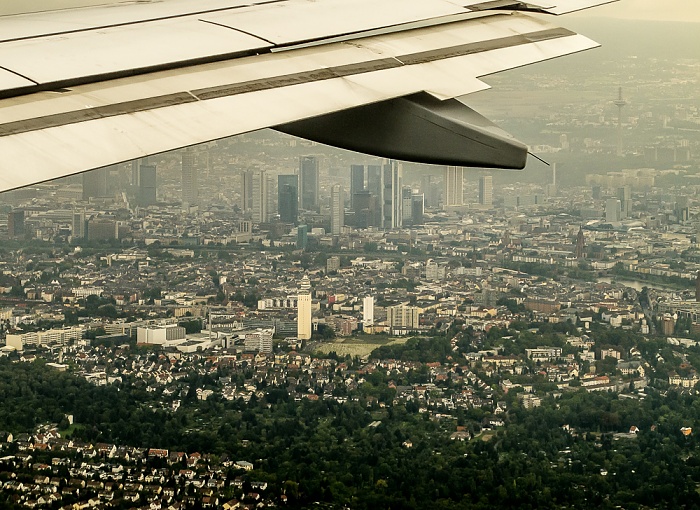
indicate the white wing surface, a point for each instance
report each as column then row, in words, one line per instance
column 88, row 87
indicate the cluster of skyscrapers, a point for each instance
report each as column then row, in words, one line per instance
column 378, row 196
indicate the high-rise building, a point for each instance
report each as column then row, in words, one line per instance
column 453, row 184
column 375, row 187
column 368, row 311
column 135, row 172
column 190, row 184
column 375, row 182
column 308, row 182
column 302, row 237
column 15, row 223
column 261, row 197
column 147, row 185
column 613, row 210
column 417, row 208
column 430, row 191
column 337, row 209
column 486, row 190
column 78, row 230
column 624, row 195
column 247, row 190
column 681, row 209
column 403, row 316
column 406, row 205
column 288, row 198
column 363, row 207
column 95, row 183
column 304, row 309
column 392, row 213
column 357, row 182
column 580, row 244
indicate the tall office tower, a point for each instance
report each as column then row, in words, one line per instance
column 302, row 237
column 453, row 184
column 78, row 227
column 308, row 182
column 391, row 204
column 288, row 198
column 95, row 183
column 135, row 172
column 613, row 210
column 375, row 181
column 624, row 195
column 337, row 209
column 580, row 244
column 364, row 212
column 406, row 205
column 681, row 209
column 147, row 185
column 375, row 186
column 486, row 190
column 247, row 190
column 304, row 309
column 190, row 184
column 417, row 208
column 596, row 192
column 357, row 182
column 368, row 311
column 261, row 197
column 430, row 190
column 15, row 223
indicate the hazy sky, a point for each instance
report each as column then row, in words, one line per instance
column 656, row 10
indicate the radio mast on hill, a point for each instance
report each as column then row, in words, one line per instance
column 620, row 103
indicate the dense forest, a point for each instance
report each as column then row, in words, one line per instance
column 563, row 454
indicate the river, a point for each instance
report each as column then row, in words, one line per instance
column 636, row 284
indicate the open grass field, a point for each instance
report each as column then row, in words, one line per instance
column 357, row 346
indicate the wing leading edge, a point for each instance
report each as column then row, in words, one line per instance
column 76, row 106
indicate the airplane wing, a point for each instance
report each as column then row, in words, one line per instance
column 83, row 88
